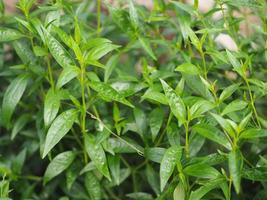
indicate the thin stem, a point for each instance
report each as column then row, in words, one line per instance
column 204, row 64
column 98, row 17
column 186, row 126
column 50, row 74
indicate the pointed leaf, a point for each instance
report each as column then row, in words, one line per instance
column 234, row 106
column 188, row 68
column 67, row 75
column 8, row 34
column 155, row 121
column 92, row 186
column 59, row 128
column 145, row 44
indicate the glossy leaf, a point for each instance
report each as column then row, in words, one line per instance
column 155, row 122
column 58, row 129
column 12, row 96
column 61, row 162
column 234, row 106
column 8, row 34
column 92, row 186
column 171, row 157
column 187, row 68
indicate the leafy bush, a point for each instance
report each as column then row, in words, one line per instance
column 122, row 102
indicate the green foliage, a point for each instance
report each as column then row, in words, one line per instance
column 116, row 101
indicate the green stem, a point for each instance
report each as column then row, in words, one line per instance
column 187, row 151
column 204, row 64
column 50, row 74
column 98, row 17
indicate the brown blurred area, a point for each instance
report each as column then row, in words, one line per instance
column 10, row 6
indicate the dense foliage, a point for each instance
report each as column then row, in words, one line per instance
column 104, row 101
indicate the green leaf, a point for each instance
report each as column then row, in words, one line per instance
column 108, row 93
column 58, row 129
column 60, row 54
column 235, row 63
column 227, row 92
column 97, row 155
column 99, row 51
column 133, row 15
column 12, row 96
column 20, row 124
column 114, row 166
column 212, row 133
column 224, row 124
column 67, row 75
column 61, row 162
column 155, row 96
column 92, row 186
column 175, row 102
column 8, row 34
column 234, row 106
column 201, row 170
column 188, row 68
column 179, row 193
column 208, row 186
column 200, row 107
column 235, row 164
column 171, row 157
column 51, row 106
column 155, row 121
column 145, row 44
column 72, row 173
column 153, row 178
column 155, row 154
column 253, row 133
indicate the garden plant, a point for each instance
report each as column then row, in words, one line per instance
column 115, row 100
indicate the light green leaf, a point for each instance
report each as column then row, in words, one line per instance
column 92, row 186
column 20, row 124
column 59, row 128
column 235, row 63
column 227, row 92
column 179, row 193
column 108, row 93
column 12, row 96
column 212, row 133
column 253, row 133
column 61, row 162
column 234, row 106
column 171, row 157
column 155, row 96
column 201, row 170
column 51, row 106
column 175, row 102
column 97, row 155
column 235, row 164
column 155, row 121
column 188, row 68
column 145, row 44
column 98, row 52
column 133, row 15
column 114, row 166
column 153, row 178
column 208, row 186
column 67, row 75
column 200, row 107
column 8, row 34
column 224, row 124
column 60, row 54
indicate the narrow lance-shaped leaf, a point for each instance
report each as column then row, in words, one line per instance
column 253, row 133
column 155, row 121
column 8, row 34
column 227, row 92
column 235, row 63
column 171, row 157
column 51, row 106
column 235, row 164
column 175, row 102
column 188, row 68
column 67, row 75
column 97, row 155
column 145, row 44
column 92, row 186
column 61, row 162
column 234, row 106
column 60, row 54
column 108, row 93
column 12, row 96
column 58, row 129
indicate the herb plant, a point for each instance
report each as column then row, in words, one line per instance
column 104, row 101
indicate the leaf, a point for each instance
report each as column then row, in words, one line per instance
column 8, row 34
column 99, row 51
column 12, row 96
column 72, row 173
column 114, row 166
column 235, row 164
column 208, row 186
column 212, row 133
column 20, row 124
column 97, row 155
column 224, row 124
column 108, row 93
column 51, row 106
column 152, row 178
column 227, row 92
column 200, row 107
column 58, row 129
column 155, row 121
column 234, row 106
column 67, row 75
column 171, row 157
column 60, row 54
column 18, row 162
column 201, row 170
column 110, row 65
column 61, row 162
column 133, row 15
column 155, row 96
column 253, row 133
column 92, row 186
column 188, row 68
column 155, row 154
column 235, row 63
column 179, row 193
column 145, row 44
column 175, row 102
